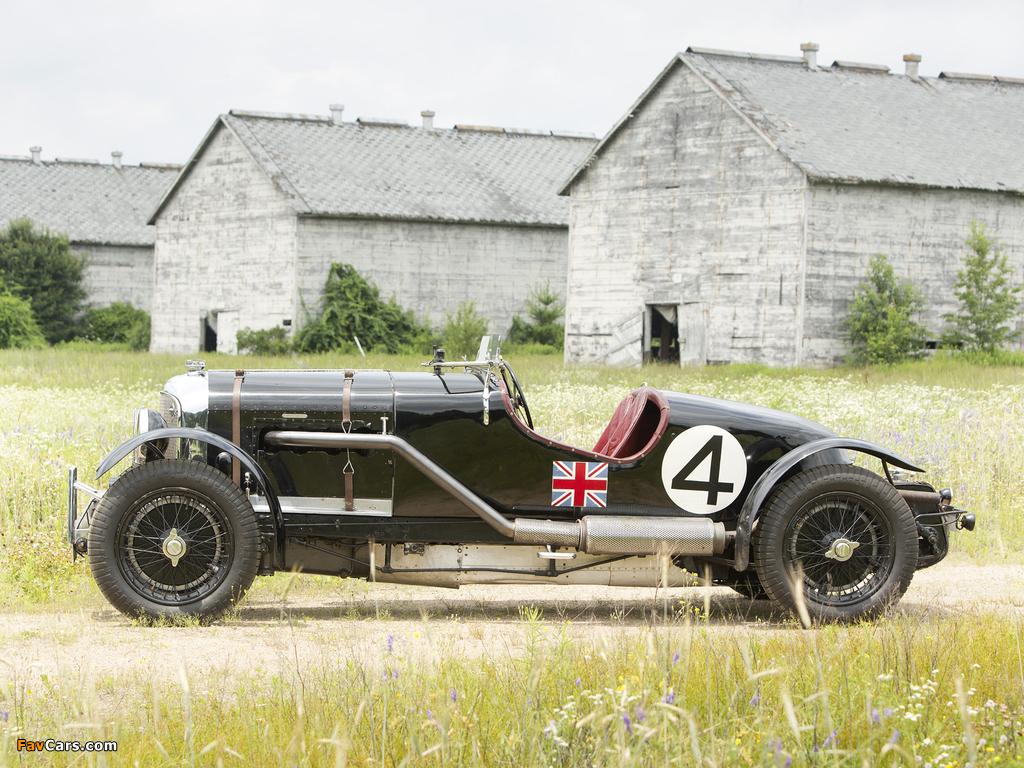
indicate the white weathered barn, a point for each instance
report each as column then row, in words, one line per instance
column 248, row 231
column 101, row 208
column 732, row 211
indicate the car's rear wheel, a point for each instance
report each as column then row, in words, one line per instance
column 174, row 538
column 839, row 538
column 748, row 585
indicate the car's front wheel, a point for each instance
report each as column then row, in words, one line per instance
column 174, row 538
column 839, row 538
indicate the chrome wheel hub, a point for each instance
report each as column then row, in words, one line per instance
column 842, row 550
column 174, row 547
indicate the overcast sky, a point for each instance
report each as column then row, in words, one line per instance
column 148, row 78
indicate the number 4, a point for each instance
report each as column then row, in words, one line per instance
column 712, row 485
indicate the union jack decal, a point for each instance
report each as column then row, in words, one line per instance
column 579, row 484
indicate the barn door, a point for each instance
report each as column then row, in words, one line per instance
column 692, row 320
column 626, row 348
column 227, row 331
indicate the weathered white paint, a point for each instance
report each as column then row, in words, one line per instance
column 432, row 267
column 688, row 205
column 224, row 242
column 922, row 231
column 117, row 273
column 228, row 241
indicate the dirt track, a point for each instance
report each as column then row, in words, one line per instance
column 267, row 637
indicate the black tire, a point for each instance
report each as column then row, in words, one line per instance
column 153, row 510
column 749, row 586
column 846, row 533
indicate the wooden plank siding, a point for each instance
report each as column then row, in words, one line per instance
column 687, row 205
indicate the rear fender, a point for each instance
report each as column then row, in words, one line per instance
column 766, row 483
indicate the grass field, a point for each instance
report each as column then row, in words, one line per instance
column 897, row 691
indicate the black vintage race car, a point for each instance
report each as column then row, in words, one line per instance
column 439, row 478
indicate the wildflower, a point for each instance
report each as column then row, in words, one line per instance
column 578, row 681
column 454, row 696
column 391, row 642
column 830, row 740
column 887, row 712
column 628, row 722
column 675, row 657
column 895, row 737
column 670, row 697
column 641, row 713
column 875, row 717
column 755, row 700
column 4, row 714
column 394, row 674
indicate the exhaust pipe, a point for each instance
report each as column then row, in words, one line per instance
column 595, row 535
column 600, row 535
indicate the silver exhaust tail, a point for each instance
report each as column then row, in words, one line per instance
column 599, row 535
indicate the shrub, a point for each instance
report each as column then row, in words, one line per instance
column 987, row 299
column 118, row 323
column 880, row 317
column 462, row 332
column 544, row 307
column 18, row 327
column 270, row 341
column 352, row 307
column 39, row 267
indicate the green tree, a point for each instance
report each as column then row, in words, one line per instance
column 987, row 298
column 544, row 306
column 267, row 342
column 880, row 318
column 38, row 266
column 462, row 332
column 18, row 328
column 118, row 323
column 352, row 307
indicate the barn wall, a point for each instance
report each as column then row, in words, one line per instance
column 688, row 205
column 225, row 243
column 430, row 268
column 922, row 231
column 117, row 273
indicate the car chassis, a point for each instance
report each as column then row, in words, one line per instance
column 438, row 478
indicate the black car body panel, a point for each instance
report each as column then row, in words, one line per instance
column 337, row 464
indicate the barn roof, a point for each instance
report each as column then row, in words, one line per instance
column 375, row 168
column 856, row 123
column 83, row 199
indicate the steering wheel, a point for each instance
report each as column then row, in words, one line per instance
column 522, row 410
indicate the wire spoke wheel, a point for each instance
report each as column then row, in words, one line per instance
column 840, row 535
column 155, row 522
column 174, row 537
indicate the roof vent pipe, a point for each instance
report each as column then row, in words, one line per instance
column 811, row 54
column 428, row 119
column 336, row 110
column 36, row 152
column 913, row 61
column 117, row 158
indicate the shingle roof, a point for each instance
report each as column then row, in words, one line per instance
column 375, row 170
column 87, row 201
column 859, row 125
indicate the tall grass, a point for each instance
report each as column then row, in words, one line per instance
column 935, row 689
column 943, row 691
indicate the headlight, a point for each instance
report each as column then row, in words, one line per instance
column 146, row 420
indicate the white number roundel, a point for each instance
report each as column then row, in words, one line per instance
column 704, row 469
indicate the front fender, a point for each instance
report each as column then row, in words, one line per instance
column 766, row 483
column 203, row 436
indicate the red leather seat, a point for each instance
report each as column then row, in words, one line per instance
column 638, row 422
